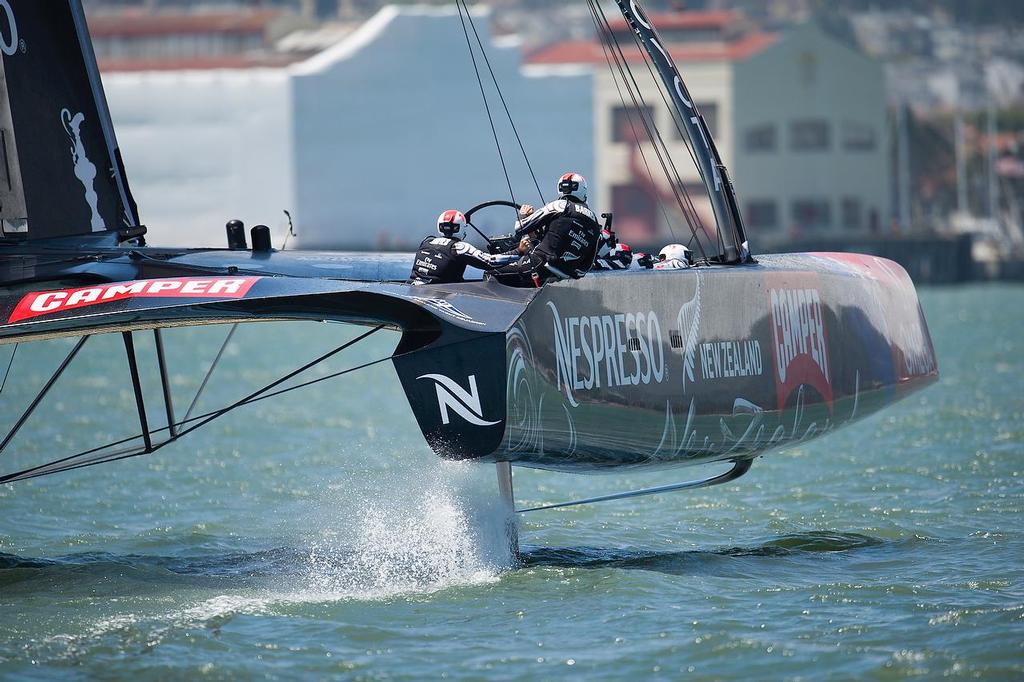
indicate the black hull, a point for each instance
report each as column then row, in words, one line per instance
column 620, row 369
column 664, row 369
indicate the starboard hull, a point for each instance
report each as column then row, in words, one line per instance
column 664, row 369
column 619, row 369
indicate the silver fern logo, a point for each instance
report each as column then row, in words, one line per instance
column 688, row 322
column 85, row 170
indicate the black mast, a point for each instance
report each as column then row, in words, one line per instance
column 712, row 170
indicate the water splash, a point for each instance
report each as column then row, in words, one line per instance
column 374, row 535
column 427, row 530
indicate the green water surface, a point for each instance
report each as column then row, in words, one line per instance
column 317, row 536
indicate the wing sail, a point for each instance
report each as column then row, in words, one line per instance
column 712, row 170
column 60, row 168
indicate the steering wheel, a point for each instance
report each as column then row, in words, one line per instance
column 501, row 243
column 488, row 204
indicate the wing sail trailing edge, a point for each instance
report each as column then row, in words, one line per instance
column 709, row 163
column 61, row 172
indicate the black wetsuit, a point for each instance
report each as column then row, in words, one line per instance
column 569, row 238
column 441, row 260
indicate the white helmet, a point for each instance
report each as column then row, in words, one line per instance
column 573, row 185
column 452, row 224
column 675, row 252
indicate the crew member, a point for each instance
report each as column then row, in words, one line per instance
column 611, row 254
column 564, row 235
column 444, row 259
column 619, row 258
column 673, row 257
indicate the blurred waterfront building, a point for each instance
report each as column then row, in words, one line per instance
column 365, row 132
column 799, row 118
column 210, row 39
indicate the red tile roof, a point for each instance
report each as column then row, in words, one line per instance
column 590, row 52
column 198, row 63
column 138, row 25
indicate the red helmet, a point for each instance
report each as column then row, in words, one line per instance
column 573, row 185
column 452, row 224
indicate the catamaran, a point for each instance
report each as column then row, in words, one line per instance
column 718, row 364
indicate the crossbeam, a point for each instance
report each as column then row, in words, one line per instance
column 42, row 393
column 104, row 453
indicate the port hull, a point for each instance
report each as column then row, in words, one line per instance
column 664, row 369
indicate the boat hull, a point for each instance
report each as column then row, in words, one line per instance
column 662, row 369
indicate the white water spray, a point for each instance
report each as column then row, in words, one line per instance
column 418, row 532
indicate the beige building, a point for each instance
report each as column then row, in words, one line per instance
column 799, row 120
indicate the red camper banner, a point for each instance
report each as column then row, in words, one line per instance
column 51, row 302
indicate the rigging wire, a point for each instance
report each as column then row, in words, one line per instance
column 487, row 106
column 640, row 104
column 209, row 372
column 68, row 359
column 687, row 142
column 671, row 171
column 678, row 190
column 632, row 127
column 497, row 87
column 291, row 230
column 283, row 379
column 9, row 365
column 672, row 110
column 77, row 460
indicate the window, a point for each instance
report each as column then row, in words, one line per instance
column 852, row 213
column 809, row 135
column 762, row 214
column 812, row 214
column 636, row 212
column 627, row 124
column 760, row 138
column 859, row 137
column 709, row 110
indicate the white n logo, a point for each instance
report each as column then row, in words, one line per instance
column 451, row 396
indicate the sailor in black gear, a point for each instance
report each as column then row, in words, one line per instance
column 619, row 258
column 612, row 254
column 444, row 259
column 566, row 236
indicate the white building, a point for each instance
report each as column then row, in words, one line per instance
column 812, row 150
column 365, row 142
column 799, row 120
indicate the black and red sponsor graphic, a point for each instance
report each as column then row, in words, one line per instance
column 906, row 331
column 51, row 302
column 799, row 342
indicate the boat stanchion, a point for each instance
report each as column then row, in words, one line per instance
column 236, row 235
column 261, row 239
